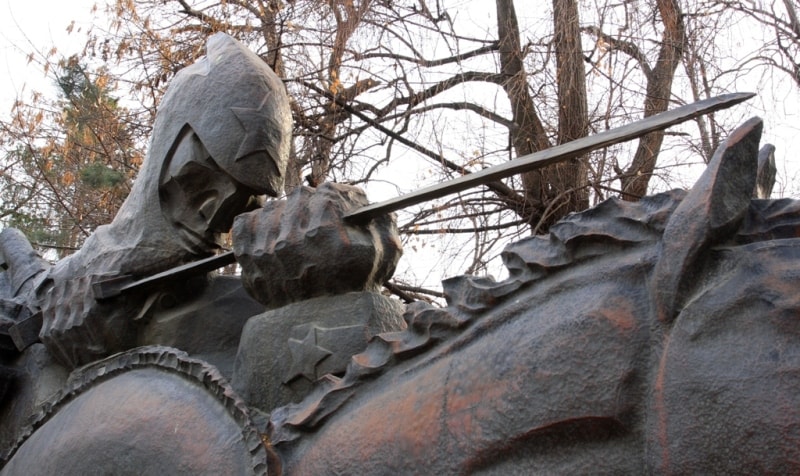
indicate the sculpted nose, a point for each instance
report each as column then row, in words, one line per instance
column 208, row 209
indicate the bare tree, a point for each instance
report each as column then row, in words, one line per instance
column 381, row 86
column 69, row 162
column 780, row 22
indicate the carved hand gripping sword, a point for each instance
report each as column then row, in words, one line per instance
column 115, row 286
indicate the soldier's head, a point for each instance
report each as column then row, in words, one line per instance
column 224, row 130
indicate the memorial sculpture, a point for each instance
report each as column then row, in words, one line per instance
column 652, row 337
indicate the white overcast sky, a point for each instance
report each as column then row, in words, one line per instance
column 28, row 26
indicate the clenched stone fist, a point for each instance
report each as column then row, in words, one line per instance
column 301, row 247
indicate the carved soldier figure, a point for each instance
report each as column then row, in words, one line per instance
column 682, row 359
column 221, row 137
column 210, row 153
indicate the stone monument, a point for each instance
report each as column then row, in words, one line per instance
column 656, row 337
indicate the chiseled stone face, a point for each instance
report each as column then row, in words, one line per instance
column 198, row 197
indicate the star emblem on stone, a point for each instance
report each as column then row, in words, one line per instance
column 256, row 123
column 306, row 354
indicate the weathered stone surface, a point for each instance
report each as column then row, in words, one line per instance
column 39, row 379
column 726, row 390
column 284, row 351
column 206, row 324
column 766, row 172
column 238, row 110
column 21, row 262
column 148, row 411
column 300, row 248
column 713, row 209
column 657, row 337
column 651, row 338
column 540, row 374
column 221, row 135
column 22, row 267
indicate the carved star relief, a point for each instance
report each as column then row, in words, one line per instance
column 256, row 121
column 306, row 354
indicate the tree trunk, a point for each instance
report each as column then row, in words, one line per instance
column 568, row 180
column 274, row 58
column 348, row 15
column 659, row 87
column 529, row 135
column 554, row 191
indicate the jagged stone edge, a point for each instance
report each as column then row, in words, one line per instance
column 467, row 297
column 426, row 326
column 160, row 357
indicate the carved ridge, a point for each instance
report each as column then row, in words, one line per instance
column 624, row 224
column 164, row 358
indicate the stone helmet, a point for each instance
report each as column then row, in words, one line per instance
column 238, row 108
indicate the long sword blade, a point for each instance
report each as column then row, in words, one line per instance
column 550, row 156
column 115, row 286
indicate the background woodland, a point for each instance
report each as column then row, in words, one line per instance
column 393, row 95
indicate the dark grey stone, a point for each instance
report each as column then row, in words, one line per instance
column 658, row 337
column 205, row 321
column 149, row 411
column 765, row 181
column 39, row 379
column 222, row 134
column 301, row 247
column 284, row 351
